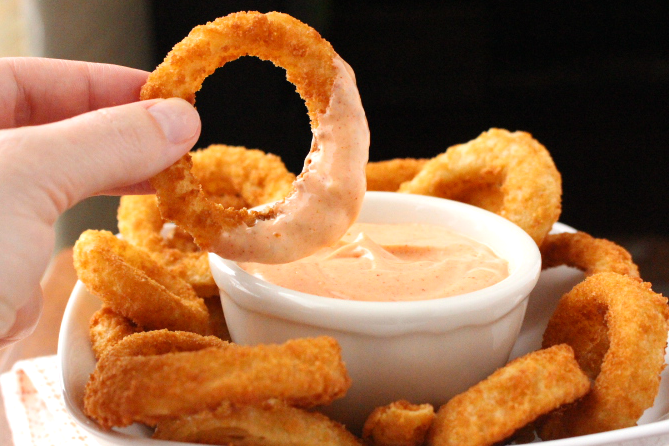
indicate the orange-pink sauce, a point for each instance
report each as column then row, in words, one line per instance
column 390, row 262
column 327, row 196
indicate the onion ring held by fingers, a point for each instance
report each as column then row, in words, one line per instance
column 333, row 180
column 398, row 424
column 148, row 384
column 232, row 177
column 510, row 398
column 129, row 281
column 389, row 175
column 510, row 174
column 583, row 251
column 270, row 423
column 617, row 327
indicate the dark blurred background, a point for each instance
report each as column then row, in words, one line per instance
column 589, row 82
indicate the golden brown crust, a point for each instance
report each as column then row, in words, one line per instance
column 510, row 174
column 279, row 38
column 270, row 423
column 133, row 382
column 399, row 423
column 388, row 175
column 134, row 285
column 512, row 397
column 107, row 328
column 617, row 327
column 589, row 254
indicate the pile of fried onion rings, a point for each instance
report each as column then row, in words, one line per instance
column 204, row 372
column 161, row 322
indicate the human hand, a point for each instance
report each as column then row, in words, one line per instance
column 70, row 130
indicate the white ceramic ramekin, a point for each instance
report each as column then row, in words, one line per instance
column 424, row 351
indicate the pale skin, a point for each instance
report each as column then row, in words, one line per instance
column 68, row 131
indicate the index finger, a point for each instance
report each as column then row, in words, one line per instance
column 38, row 91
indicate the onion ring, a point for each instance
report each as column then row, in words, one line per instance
column 332, row 182
column 389, row 175
column 589, row 254
column 398, row 424
column 271, row 423
column 129, row 281
column 107, row 328
column 617, row 327
column 510, row 174
column 151, row 376
column 233, row 177
column 510, row 398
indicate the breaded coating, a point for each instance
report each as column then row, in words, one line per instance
column 399, row 423
column 388, row 175
column 151, row 387
column 510, row 174
column 617, row 327
column 107, row 328
column 134, row 285
column 587, row 253
column 510, row 398
column 270, row 423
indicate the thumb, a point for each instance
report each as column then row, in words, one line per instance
column 103, row 150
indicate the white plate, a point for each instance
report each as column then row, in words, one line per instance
column 77, row 363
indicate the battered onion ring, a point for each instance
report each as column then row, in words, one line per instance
column 133, row 382
column 230, row 175
column 107, row 328
column 332, row 183
column 589, row 254
column 510, row 174
column 510, row 398
column 129, row 281
column 271, row 423
column 389, row 175
column 617, row 327
column 398, row 424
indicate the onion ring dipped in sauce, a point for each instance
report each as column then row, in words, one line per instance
column 617, row 327
column 155, row 375
column 327, row 195
column 510, row 174
column 587, row 253
column 232, row 176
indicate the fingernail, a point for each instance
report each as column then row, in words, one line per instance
column 178, row 119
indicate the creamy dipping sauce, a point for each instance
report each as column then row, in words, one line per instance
column 390, row 262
